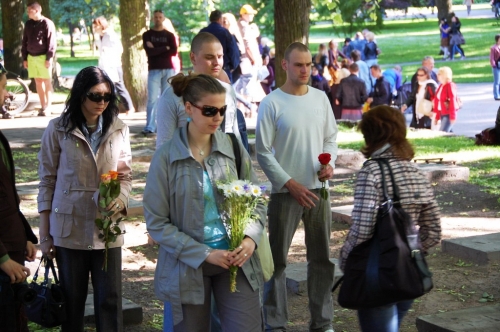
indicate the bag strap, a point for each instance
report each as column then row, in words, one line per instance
column 50, row 265
column 237, row 152
column 395, row 197
column 35, row 276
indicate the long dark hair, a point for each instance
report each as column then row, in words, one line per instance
column 73, row 116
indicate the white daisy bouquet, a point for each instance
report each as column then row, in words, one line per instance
column 241, row 199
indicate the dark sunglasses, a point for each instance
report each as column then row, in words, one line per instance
column 211, row 111
column 97, row 97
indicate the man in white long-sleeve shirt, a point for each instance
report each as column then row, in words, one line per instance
column 207, row 58
column 297, row 121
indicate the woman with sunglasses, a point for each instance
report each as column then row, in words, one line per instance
column 181, row 207
column 422, row 98
column 87, row 140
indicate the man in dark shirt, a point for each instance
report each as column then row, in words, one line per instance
column 38, row 50
column 159, row 45
column 16, row 238
column 381, row 89
column 229, row 46
column 351, row 94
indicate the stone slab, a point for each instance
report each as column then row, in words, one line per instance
column 296, row 276
column 348, row 157
column 132, row 313
column 342, row 214
column 135, row 208
column 477, row 319
column 480, row 249
column 444, row 172
column 144, row 155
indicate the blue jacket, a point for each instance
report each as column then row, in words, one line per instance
column 229, row 46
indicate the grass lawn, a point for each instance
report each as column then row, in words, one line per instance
column 483, row 161
column 401, row 41
column 407, row 41
column 83, row 58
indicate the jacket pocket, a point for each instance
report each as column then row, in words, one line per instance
column 61, row 220
column 166, row 269
column 72, row 149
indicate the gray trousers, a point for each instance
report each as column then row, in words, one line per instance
column 284, row 215
column 238, row 312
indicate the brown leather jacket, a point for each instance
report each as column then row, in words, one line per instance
column 14, row 229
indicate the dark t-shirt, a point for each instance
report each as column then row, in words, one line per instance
column 39, row 38
column 159, row 57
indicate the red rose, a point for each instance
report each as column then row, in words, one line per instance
column 324, row 158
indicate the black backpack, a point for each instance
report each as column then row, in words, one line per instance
column 390, row 266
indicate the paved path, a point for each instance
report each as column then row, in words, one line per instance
column 479, row 112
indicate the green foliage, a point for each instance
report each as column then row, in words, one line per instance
column 188, row 17
column 348, row 16
column 72, row 11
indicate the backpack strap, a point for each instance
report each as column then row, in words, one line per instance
column 395, row 195
column 237, row 152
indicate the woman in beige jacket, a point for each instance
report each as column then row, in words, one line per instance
column 86, row 141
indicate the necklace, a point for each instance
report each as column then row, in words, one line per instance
column 92, row 126
column 201, row 151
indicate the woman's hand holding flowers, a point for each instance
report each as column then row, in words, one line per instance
column 115, row 205
column 219, row 258
column 240, row 255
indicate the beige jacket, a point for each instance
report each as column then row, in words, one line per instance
column 69, row 180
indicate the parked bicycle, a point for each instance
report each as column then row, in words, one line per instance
column 18, row 94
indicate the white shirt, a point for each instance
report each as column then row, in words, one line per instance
column 299, row 129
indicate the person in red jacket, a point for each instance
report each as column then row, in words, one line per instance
column 16, row 239
column 445, row 102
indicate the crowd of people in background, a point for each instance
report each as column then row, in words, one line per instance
column 354, row 81
column 233, row 67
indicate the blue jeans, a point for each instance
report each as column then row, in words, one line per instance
column 496, row 83
column 445, row 123
column 456, row 49
column 157, row 83
column 284, row 215
column 383, row 319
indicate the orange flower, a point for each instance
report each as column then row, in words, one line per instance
column 114, row 175
column 106, row 178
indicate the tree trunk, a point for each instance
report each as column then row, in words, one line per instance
column 133, row 20
column 71, row 40
column 291, row 19
column 444, row 8
column 13, row 27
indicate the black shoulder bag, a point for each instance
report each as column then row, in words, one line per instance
column 48, row 309
column 390, row 266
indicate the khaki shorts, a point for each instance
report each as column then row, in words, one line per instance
column 36, row 67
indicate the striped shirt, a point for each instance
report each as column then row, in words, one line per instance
column 416, row 197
